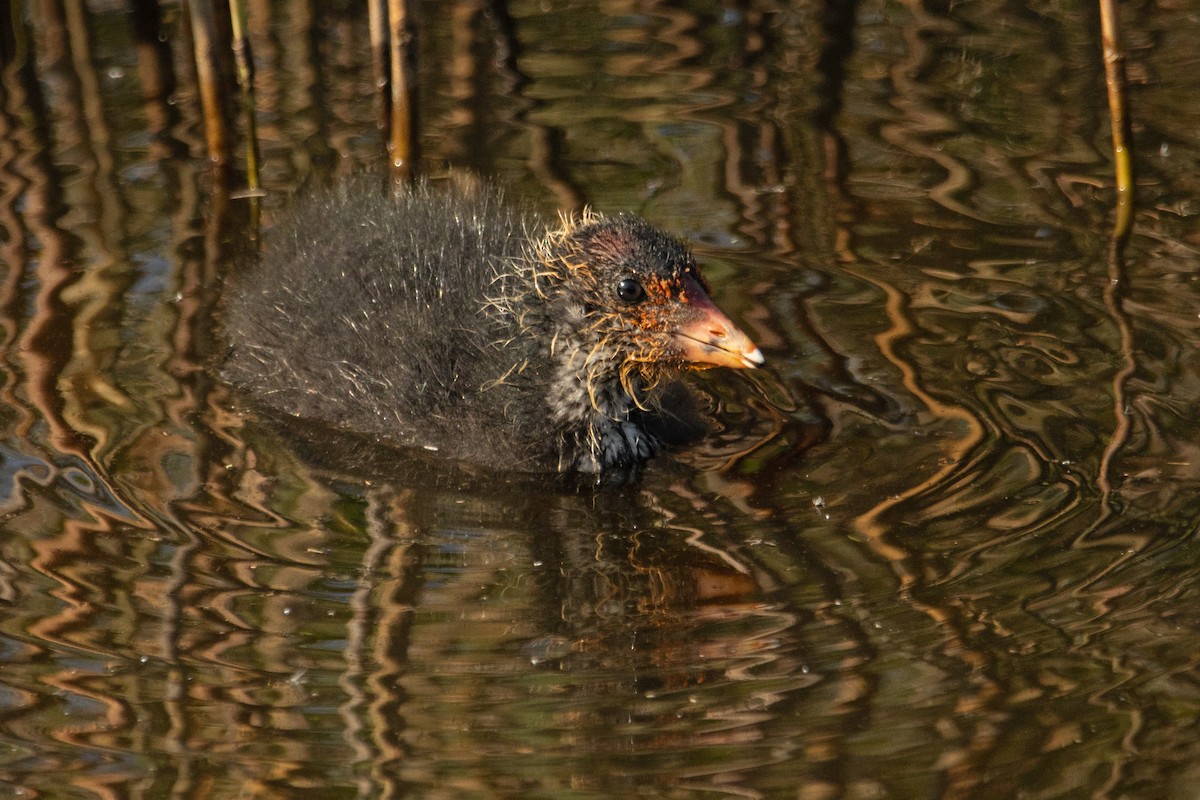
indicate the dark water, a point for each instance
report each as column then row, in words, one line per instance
column 944, row 547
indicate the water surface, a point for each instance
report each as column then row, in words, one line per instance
column 944, row 546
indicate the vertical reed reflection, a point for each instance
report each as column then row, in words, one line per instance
column 967, row 433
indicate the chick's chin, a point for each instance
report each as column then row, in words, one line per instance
column 649, row 361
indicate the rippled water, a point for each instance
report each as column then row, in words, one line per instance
column 944, row 546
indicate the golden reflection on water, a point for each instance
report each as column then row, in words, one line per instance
column 942, row 548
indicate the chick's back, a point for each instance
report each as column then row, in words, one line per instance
column 368, row 309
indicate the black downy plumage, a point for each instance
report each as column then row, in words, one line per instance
column 446, row 319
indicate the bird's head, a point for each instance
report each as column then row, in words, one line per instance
column 632, row 297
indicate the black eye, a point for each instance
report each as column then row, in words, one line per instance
column 630, row 291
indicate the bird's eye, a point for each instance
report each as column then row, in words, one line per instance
column 630, row 291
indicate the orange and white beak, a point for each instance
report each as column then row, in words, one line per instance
column 708, row 338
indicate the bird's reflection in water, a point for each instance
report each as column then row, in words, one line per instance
column 594, row 637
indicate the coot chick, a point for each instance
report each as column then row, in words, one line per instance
column 446, row 319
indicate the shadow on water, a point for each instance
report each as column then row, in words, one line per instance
column 927, row 553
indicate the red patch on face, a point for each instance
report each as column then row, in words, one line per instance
column 660, row 292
